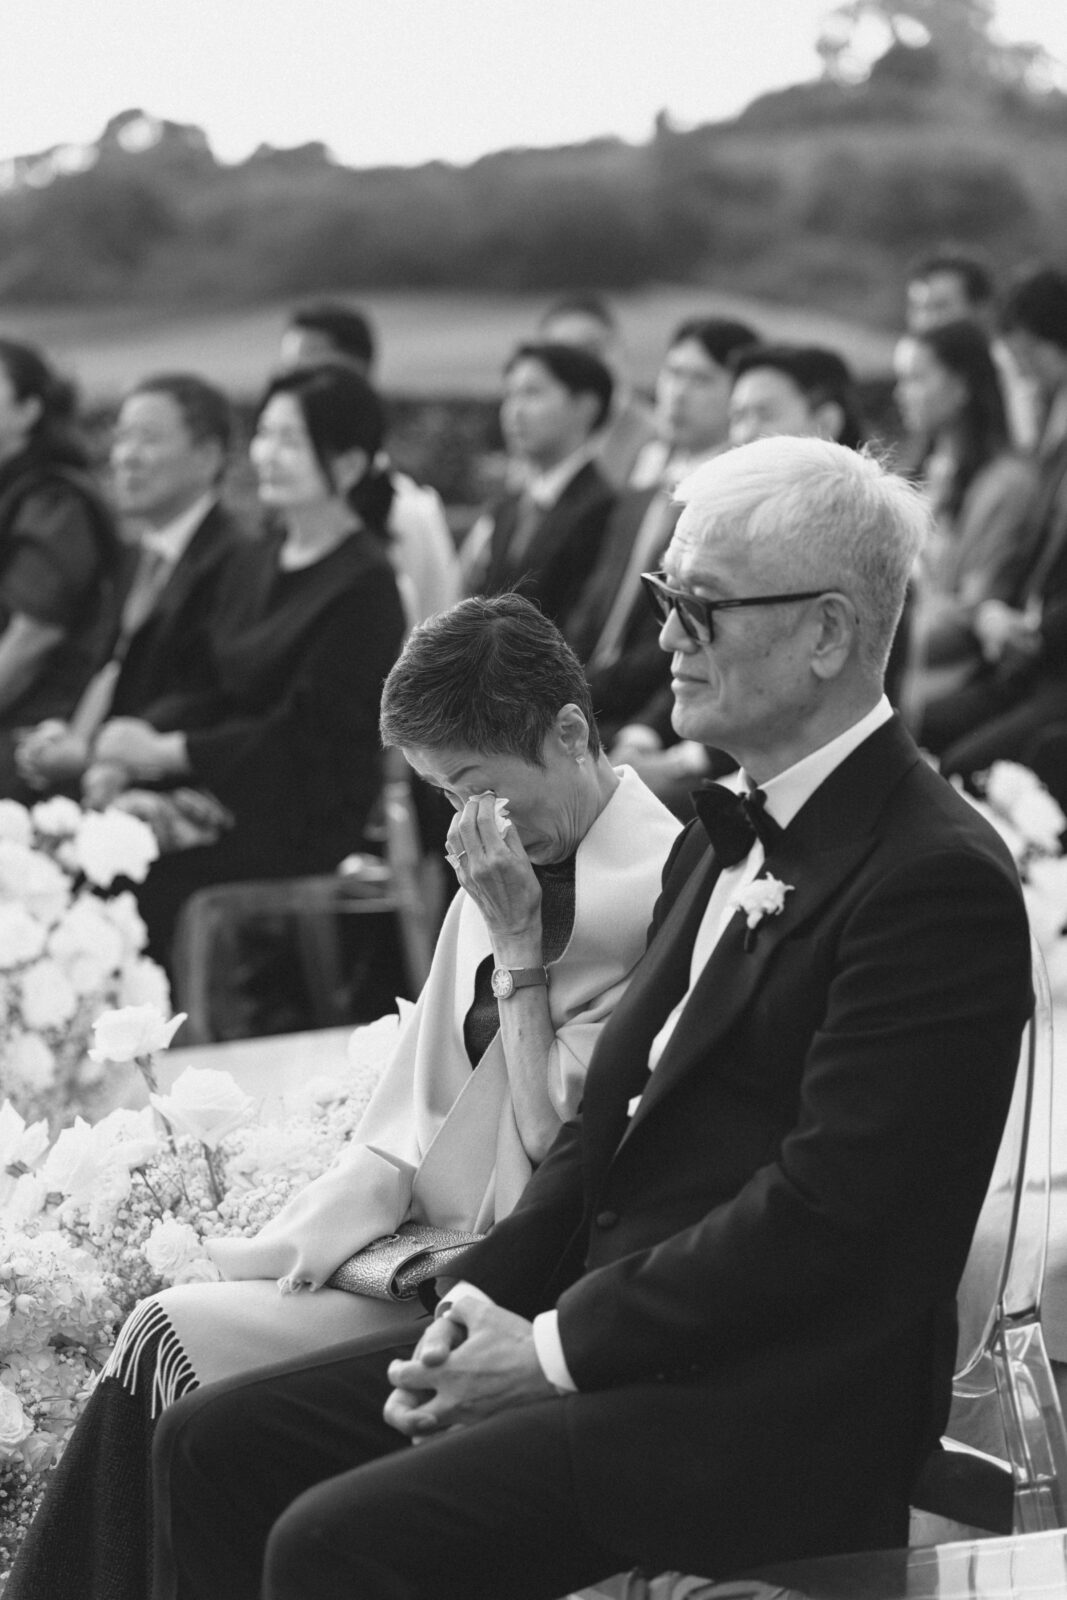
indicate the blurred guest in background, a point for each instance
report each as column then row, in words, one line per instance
column 544, row 538
column 587, row 322
column 168, row 458
column 58, row 548
column 273, row 769
column 1020, row 688
column 421, row 546
column 948, row 285
column 802, row 390
column 613, row 631
column 769, row 389
column 953, row 285
column 949, row 397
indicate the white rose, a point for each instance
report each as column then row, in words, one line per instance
column 29, row 1061
column 111, row 844
column 131, row 1032
column 88, row 944
column 20, row 1145
column 1040, row 820
column 22, row 938
column 76, row 1162
column 204, row 1103
column 172, row 1246
column 144, row 983
column 121, row 910
column 14, row 1423
column 763, row 897
column 133, row 1136
column 15, row 822
column 48, row 998
column 34, row 880
column 25, row 1200
column 1007, row 782
column 57, row 818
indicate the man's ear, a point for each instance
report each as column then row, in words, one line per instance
column 572, row 730
column 836, row 641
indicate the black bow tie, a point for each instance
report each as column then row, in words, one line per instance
column 733, row 822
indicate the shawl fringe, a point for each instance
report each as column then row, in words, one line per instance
column 148, row 1330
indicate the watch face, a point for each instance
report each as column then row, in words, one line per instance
column 502, row 982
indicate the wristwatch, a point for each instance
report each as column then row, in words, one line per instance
column 506, row 980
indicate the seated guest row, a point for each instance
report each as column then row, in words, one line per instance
column 238, row 710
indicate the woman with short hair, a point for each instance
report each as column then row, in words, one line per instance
column 558, row 857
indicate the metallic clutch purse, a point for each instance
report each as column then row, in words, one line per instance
column 392, row 1267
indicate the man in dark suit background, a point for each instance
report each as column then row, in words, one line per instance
column 543, row 538
column 612, row 631
column 588, row 322
column 168, row 459
column 718, row 1329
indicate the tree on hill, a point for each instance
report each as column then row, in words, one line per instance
column 922, row 41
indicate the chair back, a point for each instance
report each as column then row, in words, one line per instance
column 1005, row 1270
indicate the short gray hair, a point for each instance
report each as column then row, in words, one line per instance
column 826, row 517
column 489, row 675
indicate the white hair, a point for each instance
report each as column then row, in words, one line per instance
column 817, row 515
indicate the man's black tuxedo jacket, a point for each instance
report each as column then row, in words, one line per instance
column 755, row 1276
column 559, row 558
column 168, row 653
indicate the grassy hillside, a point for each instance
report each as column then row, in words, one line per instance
column 433, row 344
column 818, row 195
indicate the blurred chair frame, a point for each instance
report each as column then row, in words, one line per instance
column 405, row 882
column 1000, row 1357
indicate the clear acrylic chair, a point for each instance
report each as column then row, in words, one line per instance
column 1002, row 1367
column 404, row 883
column 1002, row 1361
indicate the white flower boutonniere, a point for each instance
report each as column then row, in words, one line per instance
column 763, row 897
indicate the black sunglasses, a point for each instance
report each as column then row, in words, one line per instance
column 697, row 615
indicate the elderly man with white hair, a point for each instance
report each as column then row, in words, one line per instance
column 718, row 1328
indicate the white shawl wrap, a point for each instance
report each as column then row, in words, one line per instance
column 438, row 1142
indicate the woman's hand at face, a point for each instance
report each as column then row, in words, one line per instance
column 496, row 872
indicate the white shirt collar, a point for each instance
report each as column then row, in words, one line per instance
column 794, row 787
column 545, row 488
column 173, row 539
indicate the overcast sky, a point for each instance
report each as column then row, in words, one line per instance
column 409, row 80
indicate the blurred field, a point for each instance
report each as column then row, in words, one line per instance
column 434, row 344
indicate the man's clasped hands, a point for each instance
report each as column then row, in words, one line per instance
column 473, row 1360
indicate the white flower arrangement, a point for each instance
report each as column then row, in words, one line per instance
column 1032, row 825
column 104, row 1214
column 68, row 948
column 763, row 897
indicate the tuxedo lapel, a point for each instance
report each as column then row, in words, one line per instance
column 619, row 1068
column 823, row 845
